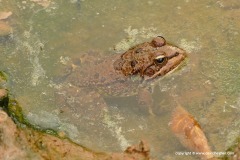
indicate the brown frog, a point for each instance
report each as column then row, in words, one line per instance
column 119, row 75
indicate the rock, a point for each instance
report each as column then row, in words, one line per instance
column 27, row 143
column 135, row 152
column 8, row 132
column 143, row 148
column 5, row 15
column 5, row 29
column 3, row 94
column 3, row 116
column 189, row 132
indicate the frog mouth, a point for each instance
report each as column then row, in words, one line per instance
column 173, row 62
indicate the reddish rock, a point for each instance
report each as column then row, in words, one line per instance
column 5, row 29
column 3, row 93
column 27, row 143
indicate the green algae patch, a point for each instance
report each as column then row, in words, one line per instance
column 232, row 149
column 14, row 110
column 3, row 77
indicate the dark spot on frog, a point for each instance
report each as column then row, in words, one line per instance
column 133, row 63
column 138, row 50
column 149, row 72
column 159, row 41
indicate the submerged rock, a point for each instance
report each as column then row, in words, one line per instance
column 5, row 29
column 5, row 15
column 27, row 143
column 22, row 141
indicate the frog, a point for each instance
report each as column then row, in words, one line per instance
column 92, row 78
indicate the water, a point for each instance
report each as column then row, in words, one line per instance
column 44, row 39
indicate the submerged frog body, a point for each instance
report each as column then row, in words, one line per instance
column 119, row 75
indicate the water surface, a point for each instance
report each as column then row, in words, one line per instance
column 45, row 39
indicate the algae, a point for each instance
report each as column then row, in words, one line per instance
column 232, row 149
column 3, row 76
column 134, row 36
column 14, row 110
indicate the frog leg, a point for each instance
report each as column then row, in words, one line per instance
column 145, row 100
column 87, row 109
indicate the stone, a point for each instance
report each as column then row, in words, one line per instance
column 5, row 29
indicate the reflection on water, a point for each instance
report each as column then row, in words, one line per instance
column 44, row 39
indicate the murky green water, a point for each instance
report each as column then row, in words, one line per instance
column 208, row 87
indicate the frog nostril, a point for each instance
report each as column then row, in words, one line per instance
column 173, row 55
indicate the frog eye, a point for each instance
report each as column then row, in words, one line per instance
column 160, row 59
